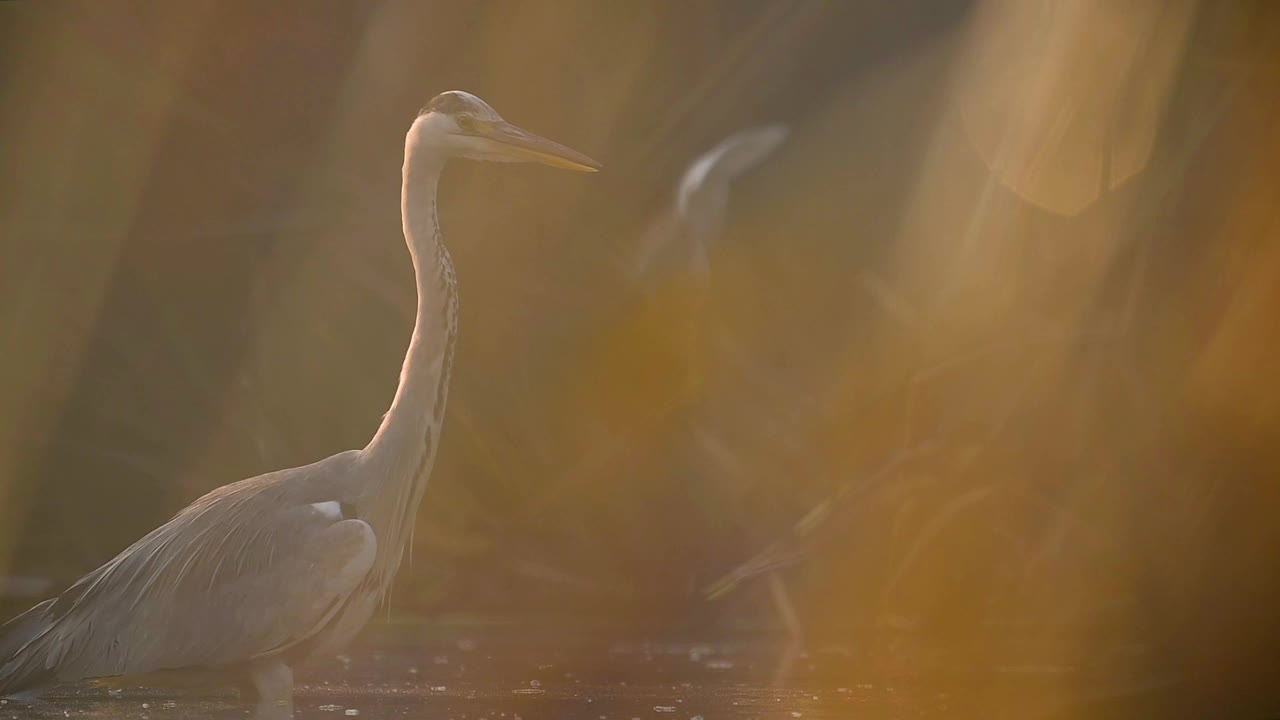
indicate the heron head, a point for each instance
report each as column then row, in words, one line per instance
column 459, row 124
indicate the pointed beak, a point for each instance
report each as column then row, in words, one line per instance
column 524, row 145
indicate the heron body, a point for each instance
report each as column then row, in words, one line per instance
column 264, row 574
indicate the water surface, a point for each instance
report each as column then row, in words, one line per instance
column 416, row 671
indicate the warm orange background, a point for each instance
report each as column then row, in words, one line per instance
column 1039, row 246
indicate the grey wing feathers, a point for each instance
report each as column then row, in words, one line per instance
column 250, row 569
column 14, row 636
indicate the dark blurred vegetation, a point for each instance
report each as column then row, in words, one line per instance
column 1028, row 251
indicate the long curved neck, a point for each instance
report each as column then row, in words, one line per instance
column 402, row 452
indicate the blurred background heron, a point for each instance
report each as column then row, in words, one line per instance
column 696, row 217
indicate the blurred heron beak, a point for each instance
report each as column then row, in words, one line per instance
column 523, row 145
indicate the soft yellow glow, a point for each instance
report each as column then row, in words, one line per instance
column 1033, row 244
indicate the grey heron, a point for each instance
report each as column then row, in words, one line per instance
column 261, row 575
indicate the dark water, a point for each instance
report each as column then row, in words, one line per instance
column 503, row 673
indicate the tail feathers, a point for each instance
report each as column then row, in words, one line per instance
column 20, row 670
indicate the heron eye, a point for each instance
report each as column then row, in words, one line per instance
column 468, row 123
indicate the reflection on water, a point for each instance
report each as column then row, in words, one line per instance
column 399, row 671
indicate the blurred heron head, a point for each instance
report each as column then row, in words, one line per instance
column 712, row 171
